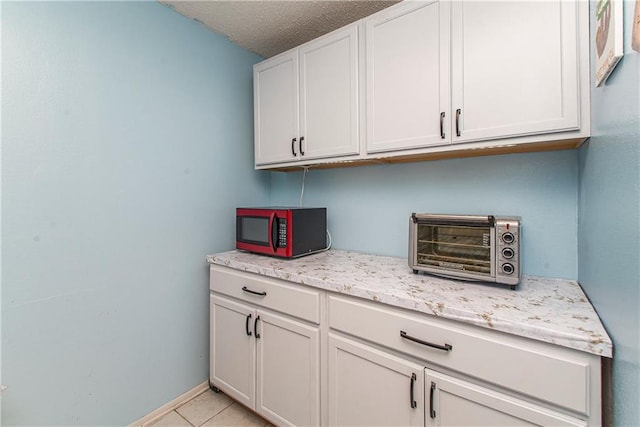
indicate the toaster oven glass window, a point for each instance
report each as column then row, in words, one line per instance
column 450, row 247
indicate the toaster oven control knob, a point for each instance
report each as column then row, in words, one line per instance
column 507, row 268
column 508, row 238
column 508, row 253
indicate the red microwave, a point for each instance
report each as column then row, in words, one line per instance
column 281, row 231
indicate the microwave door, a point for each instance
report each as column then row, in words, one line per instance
column 255, row 230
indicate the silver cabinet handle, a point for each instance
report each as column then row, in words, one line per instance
column 442, row 125
column 458, row 112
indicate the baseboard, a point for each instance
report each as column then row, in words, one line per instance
column 170, row 406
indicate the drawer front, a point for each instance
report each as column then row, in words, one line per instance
column 294, row 300
column 546, row 372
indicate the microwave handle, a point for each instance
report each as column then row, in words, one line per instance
column 274, row 231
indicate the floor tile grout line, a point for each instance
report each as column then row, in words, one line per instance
column 231, row 403
column 188, row 402
column 180, row 415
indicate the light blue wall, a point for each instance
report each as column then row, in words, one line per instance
column 126, row 145
column 369, row 207
column 609, row 220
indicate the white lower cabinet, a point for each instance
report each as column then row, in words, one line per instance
column 491, row 378
column 454, row 402
column 288, row 371
column 233, row 349
column 368, row 387
column 269, row 362
column 302, row 356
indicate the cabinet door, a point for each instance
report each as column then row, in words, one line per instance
column 407, row 76
column 453, row 402
column 329, row 95
column 369, row 387
column 232, row 354
column 514, row 68
column 276, row 114
column 288, row 388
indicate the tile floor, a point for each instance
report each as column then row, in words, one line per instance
column 211, row 409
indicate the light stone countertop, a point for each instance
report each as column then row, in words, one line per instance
column 550, row 310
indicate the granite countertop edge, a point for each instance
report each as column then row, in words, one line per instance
column 551, row 310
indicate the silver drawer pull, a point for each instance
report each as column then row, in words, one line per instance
column 446, row 347
column 262, row 294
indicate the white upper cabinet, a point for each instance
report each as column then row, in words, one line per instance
column 276, row 113
column 514, row 68
column 407, row 76
column 329, row 95
column 488, row 70
column 429, row 79
column 306, row 101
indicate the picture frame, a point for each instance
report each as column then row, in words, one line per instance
column 608, row 38
column 635, row 39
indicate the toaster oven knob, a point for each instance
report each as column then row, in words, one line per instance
column 508, row 237
column 507, row 268
column 508, row 253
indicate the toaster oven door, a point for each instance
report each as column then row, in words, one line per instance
column 462, row 246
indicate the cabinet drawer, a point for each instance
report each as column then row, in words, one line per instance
column 546, row 372
column 294, row 300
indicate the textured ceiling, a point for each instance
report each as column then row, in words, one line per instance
column 269, row 27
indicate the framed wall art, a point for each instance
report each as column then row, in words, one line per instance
column 635, row 40
column 609, row 37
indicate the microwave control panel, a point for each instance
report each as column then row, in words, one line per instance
column 282, row 233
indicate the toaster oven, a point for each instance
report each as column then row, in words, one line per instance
column 470, row 247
